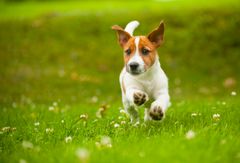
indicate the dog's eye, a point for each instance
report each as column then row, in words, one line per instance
column 145, row 51
column 128, row 51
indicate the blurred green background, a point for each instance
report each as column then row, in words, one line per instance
column 65, row 50
column 60, row 59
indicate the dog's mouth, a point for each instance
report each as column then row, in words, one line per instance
column 135, row 72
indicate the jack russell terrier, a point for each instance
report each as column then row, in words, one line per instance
column 142, row 80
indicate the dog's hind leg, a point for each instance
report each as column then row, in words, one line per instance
column 132, row 100
column 133, row 113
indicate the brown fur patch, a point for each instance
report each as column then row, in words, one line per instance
column 123, row 36
column 129, row 45
column 150, row 58
column 143, row 43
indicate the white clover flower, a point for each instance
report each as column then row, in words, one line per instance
column 68, row 139
column 27, row 145
column 233, row 93
column 105, row 142
column 49, row 130
column 123, row 122
column 83, row 154
column 36, row 124
column 55, row 104
column 6, row 129
column 116, row 125
column 83, row 116
column 62, row 121
column 51, row 108
column 216, row 117
column 190, row 134
column 194, row 114
column 94, row 99
column 122, row 111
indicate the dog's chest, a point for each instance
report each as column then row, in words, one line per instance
column 149, row 86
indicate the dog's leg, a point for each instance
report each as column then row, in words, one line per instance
column 133, row 113
column 146, row 115
column 134, row 98
column 158, row 107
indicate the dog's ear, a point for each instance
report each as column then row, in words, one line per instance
column 123, row 36
column 156, row 36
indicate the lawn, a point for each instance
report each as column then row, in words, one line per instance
column 59, row 68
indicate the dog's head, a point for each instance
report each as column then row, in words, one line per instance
column 140, row 52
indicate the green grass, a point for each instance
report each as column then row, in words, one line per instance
column 66, row 53
column 215, row 141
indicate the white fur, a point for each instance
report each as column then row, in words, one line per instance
column 153, row 82
column 137, row 58
column 131, row 26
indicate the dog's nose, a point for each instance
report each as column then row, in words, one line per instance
column 133, row 66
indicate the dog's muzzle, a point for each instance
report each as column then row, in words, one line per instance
column 134, row 68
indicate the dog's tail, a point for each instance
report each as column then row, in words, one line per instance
column 131, row 26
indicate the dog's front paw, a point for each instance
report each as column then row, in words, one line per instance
column 139, row 98
column 156, row 112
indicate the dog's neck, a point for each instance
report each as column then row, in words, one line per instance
column 150, row 73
